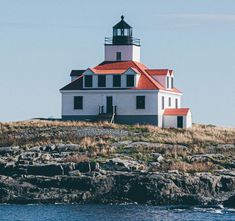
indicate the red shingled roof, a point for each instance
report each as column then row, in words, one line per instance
column 112, row 71
column 176, row 111
column 146, row 81
column 158, row 71
column 106, row 65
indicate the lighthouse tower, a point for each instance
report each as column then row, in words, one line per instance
column 122, row 46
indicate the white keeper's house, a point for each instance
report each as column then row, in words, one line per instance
column 123, row 90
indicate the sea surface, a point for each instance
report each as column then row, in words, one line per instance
column 110, row 212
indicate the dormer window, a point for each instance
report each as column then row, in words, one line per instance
column 172, row 82
column 130, row 80
column 102, row 81
column 88, row 80
column 118, row 56
column 167, row 82
column 116, row 80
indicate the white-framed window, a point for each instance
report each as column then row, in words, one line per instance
column 176, row 103
column 117, row 80
column 169, row 101
column 172, row 82
column 163, row 102
column 88, row 80
column 140, row 102
column 130, row 80
column 118, row 56
column 167, row 82
column 101, row 81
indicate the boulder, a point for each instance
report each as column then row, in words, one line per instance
column 230, row 202
column 35, row 149
column 66, row 147
column 45, row 169
column 119, row 164
column 9, row 150
column 87, row 166
column 157, row 157
column 49, row 148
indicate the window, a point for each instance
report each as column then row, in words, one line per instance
column 176, row 103
column 140, row 102
column 78, row 102
column 163, row 102
column 116, row 80
column 102, row 81
column 167, row 82
column 169, row 101
column 88, row 81
column 130, row 81
column 172, row 82
column 118, row 56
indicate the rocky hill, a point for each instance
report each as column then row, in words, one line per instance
column 67, row 162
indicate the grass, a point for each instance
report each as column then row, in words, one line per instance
column 192, row 168
column 175, row 145
column 41, row 132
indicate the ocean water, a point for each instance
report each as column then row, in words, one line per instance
column 110, row 212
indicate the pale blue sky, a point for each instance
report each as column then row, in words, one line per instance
column 41, row 41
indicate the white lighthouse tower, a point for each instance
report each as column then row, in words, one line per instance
column 122, row 46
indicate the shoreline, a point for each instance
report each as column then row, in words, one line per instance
column 78, row 162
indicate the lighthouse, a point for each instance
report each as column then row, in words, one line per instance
column 122, row 46
column 121, row 89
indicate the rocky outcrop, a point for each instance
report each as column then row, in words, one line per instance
column 119, row 187
column 54, row 174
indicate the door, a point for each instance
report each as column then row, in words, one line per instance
column 179, row 122
column 109, row 105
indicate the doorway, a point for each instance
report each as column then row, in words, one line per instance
column 109, row 105
column 179, row 122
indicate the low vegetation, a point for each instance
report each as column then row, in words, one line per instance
column 198, row 149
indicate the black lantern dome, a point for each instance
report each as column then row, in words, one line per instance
column 122, row 34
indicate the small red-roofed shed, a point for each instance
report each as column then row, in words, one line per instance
column 177, row 118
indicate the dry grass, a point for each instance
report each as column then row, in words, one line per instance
column 42, row 132
column 96, row 146
column 192, row 168
column 199, row 135
column 48, row 123
column 199, row 139
column 45, row 132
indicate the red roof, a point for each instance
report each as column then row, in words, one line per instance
column 159, row 71
column 146, row 82
column 114, row 71
column 118, row 65
column 176, row 111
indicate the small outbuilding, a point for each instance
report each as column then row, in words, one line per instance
column 177, row 118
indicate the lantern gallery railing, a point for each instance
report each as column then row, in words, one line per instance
column 120, row 39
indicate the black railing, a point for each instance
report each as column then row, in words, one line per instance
column 101, row 110
column 131, row 40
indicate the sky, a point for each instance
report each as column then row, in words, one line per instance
column 42, row 41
